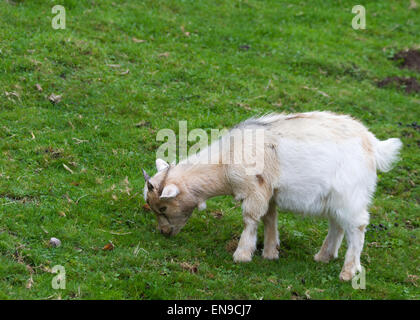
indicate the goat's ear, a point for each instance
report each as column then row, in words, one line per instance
column 149, row 186
column 202, row 206
column 161, row 164
column 170, row 191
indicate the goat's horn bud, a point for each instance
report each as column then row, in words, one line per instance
column 145, row 175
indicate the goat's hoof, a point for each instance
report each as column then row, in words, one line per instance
column 270, row 254
column 346, row 275
column 242, row 256
column 322, row 257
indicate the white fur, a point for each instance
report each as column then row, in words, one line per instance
column 161, row 165
column 386, row 153
column 315, row 163
column 170, row 191
column 202, row 206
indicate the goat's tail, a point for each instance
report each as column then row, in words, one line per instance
column 386, row 153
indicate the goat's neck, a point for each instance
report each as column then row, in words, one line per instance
column 205, row 181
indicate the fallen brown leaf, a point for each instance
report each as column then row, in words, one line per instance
column 165, row 54
column 109, row 246
column 38, row 87
column 146, row 207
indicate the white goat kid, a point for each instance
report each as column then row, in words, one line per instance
column 316, row 163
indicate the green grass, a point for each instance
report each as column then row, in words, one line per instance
column 238, row 59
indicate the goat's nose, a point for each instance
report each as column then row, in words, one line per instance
column 165, row 230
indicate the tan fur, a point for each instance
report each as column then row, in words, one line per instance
column 368, row 148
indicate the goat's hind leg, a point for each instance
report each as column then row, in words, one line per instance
column 332, row 243
column 355, row 236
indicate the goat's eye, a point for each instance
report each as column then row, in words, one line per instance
column 163, row 209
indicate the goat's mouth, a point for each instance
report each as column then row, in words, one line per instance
column 175, row 231
column 169, row 231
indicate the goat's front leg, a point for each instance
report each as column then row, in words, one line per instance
column 252, row 212
column 248, row 241
column 271, row 234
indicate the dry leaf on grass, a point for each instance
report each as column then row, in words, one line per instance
column 69, row 200
column 138, row 40
column 79, row 141
column 193, row 268
column 12, row 94
column 186, row 33
column 146, row 207
column 412, row 278
column 29, row 283
column 413, row 5
column 217, row 214
column 165, row 54
column 38, row 87
column 142, row 123
column 54, row 98
column 67, row 168
column 109, row 246
column 124, row 72
column 316, row 89
column 114, row 65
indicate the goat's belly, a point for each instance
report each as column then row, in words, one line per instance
column 310, row 201
column 312, row 174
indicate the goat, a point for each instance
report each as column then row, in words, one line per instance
column 315, row 163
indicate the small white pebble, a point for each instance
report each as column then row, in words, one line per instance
column 54, row 242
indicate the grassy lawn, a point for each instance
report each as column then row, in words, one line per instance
column 72, row 169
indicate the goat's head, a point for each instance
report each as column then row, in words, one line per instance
column 169, row 200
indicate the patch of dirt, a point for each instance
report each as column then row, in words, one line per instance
column 409, row 59
column 17, row 199
column 414, row 125
column 232, row 245
column 409, row 85
column 55, row 153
